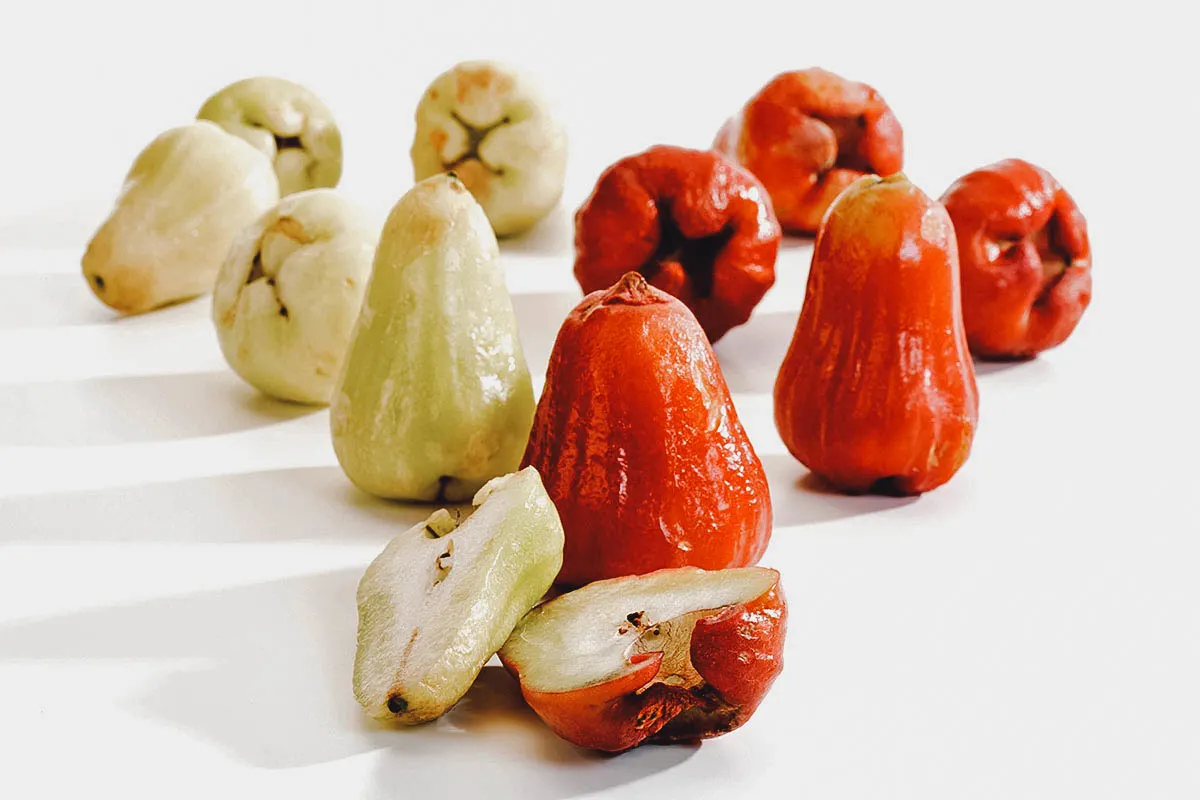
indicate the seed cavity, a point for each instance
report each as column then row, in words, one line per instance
column 475, row 137
column 444, row 563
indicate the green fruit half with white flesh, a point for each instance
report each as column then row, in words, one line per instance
column 443, row 597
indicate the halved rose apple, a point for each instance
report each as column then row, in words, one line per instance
column 674, row 655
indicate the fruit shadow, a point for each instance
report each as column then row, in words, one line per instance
column 502, row 750
column 264, row 673
column 127, row 409
column 554, row 235
column 49, row 301
column 798, row 497
column 316, row 504
column 750, row 354
column 261, row 671
column 1037, row 368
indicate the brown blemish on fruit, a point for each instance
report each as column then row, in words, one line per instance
column 481, row 78
column 292, row 229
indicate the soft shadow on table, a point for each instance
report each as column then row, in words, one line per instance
column 315, row 504
column 796, row 242
column 49, row 301
column 539, row 316
column 1032, row 368
column 264, row 672
column 552, row 236
column 750, row 354
column 799, row 497
column 145, row 408
column 502, row 750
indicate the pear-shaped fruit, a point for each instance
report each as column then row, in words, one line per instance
column 287, row 123
column 435, row 397
column 877, row 391
column 640, row 444
column 443, row 597
column 185, row 200
column 289, row 292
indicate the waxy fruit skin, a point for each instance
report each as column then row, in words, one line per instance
column 289, row 292
column 285, row 122
column 695, row 225
column 877, row 390
column 639, row 443
column 809, row 134
column 186, row 198
column 1025, row 259
column 435, row 397
column 489, row 125
column 736, row 653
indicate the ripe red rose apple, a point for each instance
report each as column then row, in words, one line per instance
column 1025, row 259
column 675, row 655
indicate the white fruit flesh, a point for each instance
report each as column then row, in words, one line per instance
column 443, row 596
column 587, row 637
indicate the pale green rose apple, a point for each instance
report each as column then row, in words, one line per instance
column 489, row 125
column 435, row 397
column 288, row 124
column 188, row 195
column 289, row 292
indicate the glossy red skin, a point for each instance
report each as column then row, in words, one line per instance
column 727, row 262
column 877, row 390
column 1009, row 217
column 807, row 136
column 639, row 445
column 738, row 652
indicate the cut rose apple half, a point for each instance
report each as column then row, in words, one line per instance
column 443, row 596
column 675, row 655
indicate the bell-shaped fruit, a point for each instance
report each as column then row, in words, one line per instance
column 491, row 126
column 675, row 655
column 639, row 443
column 289, row 292
column 443, row 597
column 877, row 391
column 287, row 123
column 435, row 397
column 185, row 200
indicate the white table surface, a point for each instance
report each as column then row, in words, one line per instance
column 178, row 555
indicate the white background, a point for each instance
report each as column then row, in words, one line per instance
column 178, row 555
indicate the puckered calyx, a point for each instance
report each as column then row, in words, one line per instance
column 488, row 125
column 287, row 123
column 289, row 293
column 1026, row 260
column 694, row 224
column 809, row 134
column 188, row 195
